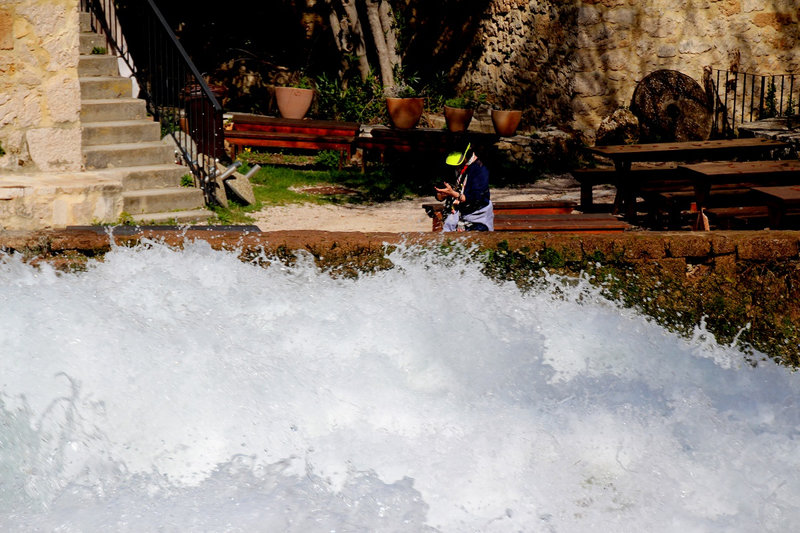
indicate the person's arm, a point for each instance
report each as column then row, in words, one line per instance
column 446, row 191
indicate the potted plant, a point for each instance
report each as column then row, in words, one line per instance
column 505, row 119
column 294, row 100
column 458, row 111
column 404, row 106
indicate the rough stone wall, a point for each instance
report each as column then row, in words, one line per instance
column 39, row 88
column 573, row 62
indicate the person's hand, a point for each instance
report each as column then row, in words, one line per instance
column 446, row 191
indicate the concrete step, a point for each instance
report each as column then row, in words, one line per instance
column 85, row 21
column 110, row 109
column 153, row 177
column 90, row 41
column 120, row 132
column 102, row 87
column 176, row 217
column 127, row 155
column 97, row 65
column 162, row 200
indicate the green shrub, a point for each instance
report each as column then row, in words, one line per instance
column 328, row 159
column 354, row 101
column 466, row 100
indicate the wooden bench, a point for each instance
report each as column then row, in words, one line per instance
column 681, row 203
column 738, row 217
column 249, row 130
column 385, row 140
column 587, row 223
column 639, row 176
column 541, row 216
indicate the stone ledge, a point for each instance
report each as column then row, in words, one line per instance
column 755, row 246
column 34, row 201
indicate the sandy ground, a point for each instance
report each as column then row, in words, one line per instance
column 406, row 215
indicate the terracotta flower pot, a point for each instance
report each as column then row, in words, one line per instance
column 457, row 118
column 506, row 121
column 293, row 102
column 404, row 113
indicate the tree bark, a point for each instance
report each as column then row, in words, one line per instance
column 356, row 36
column 381, row 47
column 387, row 23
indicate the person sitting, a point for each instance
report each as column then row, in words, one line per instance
column 468, row 206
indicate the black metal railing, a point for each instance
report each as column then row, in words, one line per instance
column 177, row 95
column 742, row 97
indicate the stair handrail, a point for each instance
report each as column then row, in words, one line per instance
column 180, row 98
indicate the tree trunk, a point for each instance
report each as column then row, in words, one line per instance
column 355, row 36
column 387, row 23
column 381, row 47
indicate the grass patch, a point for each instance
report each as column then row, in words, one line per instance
column 283, row 176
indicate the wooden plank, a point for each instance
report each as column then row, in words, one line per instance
column 788, row 195
column 521, row 207
column 567, row 217
column 780, row 201
column 287, row 124
column 583, row 223
column 725, row 170
column 278, row 136
column 689, row 150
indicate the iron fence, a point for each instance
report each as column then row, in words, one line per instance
column 177, row 95
column 742, row 97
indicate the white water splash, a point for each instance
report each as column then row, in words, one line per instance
column 188, row 391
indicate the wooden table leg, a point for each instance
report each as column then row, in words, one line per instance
column 625, row 200
column 775, row 215
column 586, row 197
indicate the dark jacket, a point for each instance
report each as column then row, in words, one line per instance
column 476, row 190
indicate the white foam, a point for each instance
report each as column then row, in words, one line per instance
column 173, row 391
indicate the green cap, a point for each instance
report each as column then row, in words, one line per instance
column 455, row 159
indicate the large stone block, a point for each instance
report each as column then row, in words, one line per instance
column 62, row 93
column 55, row 149
column 6, row 28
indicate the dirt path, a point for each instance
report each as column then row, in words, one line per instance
column 405, row 215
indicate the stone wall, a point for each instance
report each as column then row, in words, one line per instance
column 572, row 62
column 39, row 89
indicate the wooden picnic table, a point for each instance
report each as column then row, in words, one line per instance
column 625, row 154
column 779, row 200
column 738, row 174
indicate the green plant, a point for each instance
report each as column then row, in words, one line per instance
column 770, row 104
column 169, row 120
column 99, row 50
column 790, row 107
column 328, row 159
column 303, row 82
column 352, row 100
column 406, row 85
column 2, row 152
column 187, row 180
column 125, row 219
column 466, row 100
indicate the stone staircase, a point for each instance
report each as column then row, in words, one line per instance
column 120, row 137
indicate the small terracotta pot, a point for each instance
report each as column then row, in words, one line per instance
column 293, row 102
column 404, row 113
column 506, row 121
column 457, row 118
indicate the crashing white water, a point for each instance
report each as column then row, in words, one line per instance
column 167, row 390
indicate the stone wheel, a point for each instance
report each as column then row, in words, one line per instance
column 671, row 106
